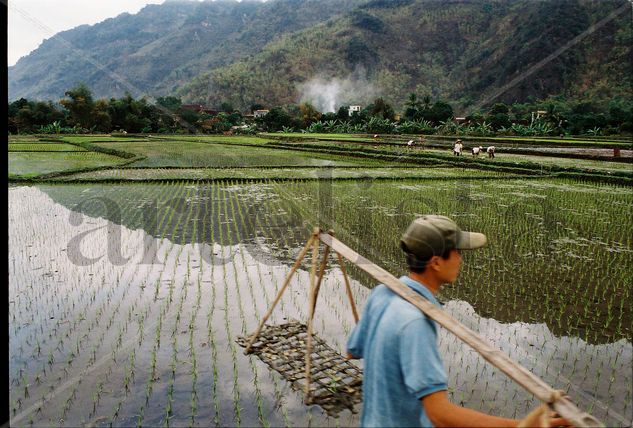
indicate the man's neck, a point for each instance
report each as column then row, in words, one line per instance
column 427, row 279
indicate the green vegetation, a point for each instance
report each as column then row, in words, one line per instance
column 37, row 163
column 448, row 141
column 236, row 139
column 201, row 154
column 276, row 174
column 119, row 245
column 131, row 118
column 44, row 147
column 518, row 164
column 255, row 158
column 464, row 52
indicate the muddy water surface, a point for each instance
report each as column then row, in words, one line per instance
column 112, row 324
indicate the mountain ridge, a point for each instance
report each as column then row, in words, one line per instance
column 252, row 52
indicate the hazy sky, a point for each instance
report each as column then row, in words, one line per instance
column 30, row 22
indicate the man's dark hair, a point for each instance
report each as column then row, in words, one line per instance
column 418, row 264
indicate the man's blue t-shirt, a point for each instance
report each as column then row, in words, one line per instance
column 398, row 344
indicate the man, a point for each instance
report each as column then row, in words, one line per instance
column 457, row 148
column 476, row 150
column 491, row 151
column 404, row 382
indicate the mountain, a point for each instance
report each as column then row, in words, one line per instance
column 162, row 46
column 283, row 51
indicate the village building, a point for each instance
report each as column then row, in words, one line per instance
column 536, row 115
column 260, row 113
column 354, row 109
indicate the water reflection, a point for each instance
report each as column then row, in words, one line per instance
column 126, row 342
column 553, row 254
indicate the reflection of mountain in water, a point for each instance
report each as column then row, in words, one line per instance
column 529, row 271
column 270, row 220
column 226, row 215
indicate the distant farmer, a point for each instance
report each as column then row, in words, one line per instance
column 404, row 381
column 457, row 148
column 422, row 141
column 491, row 151
column 476, row 150
column 410, row 143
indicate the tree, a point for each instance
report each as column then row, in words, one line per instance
column 413, row 107
column 80, row 106
column 171, row 104
column 30, row 116
column 343, row 113
column 499, row 108
column 426, row 102
column 226, row 107
column 15, row 125
column 380, row 108
column 129, row 114
column 309, row 114
column 102, row 120
column 499, row 120
column 439, row 112
column 190, row 117
column 498, row 116
column 328, row 116
column 25, row 119
column 520, row 112
column 276, row 119
column 167, row 115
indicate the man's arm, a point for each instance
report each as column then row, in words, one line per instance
column 443, row 413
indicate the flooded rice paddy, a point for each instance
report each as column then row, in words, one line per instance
column 359, row 172
column 125, row 300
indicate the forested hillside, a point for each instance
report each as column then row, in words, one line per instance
column 469, row 52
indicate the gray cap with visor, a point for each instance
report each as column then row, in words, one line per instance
column 434, row 235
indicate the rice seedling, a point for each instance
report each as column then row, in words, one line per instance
column 214, row 352
column 575, row 334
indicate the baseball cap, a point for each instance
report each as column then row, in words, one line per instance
column 433, row 235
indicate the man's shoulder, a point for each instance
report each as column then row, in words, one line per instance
column 399, row 314
column 383, row 296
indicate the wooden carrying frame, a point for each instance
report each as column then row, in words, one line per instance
column 553, row 398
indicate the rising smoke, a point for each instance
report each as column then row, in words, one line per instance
column 328, row 94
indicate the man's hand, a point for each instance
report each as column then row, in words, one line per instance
column 543, row 417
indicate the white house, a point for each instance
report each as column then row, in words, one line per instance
column 353, row 109
column 260, row 113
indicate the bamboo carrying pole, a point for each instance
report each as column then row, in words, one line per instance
column 518, row 373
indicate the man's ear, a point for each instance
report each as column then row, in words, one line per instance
column 434, row 263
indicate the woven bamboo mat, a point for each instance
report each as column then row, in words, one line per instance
column 336, row 383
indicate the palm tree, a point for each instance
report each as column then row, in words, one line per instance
column 413, row 107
